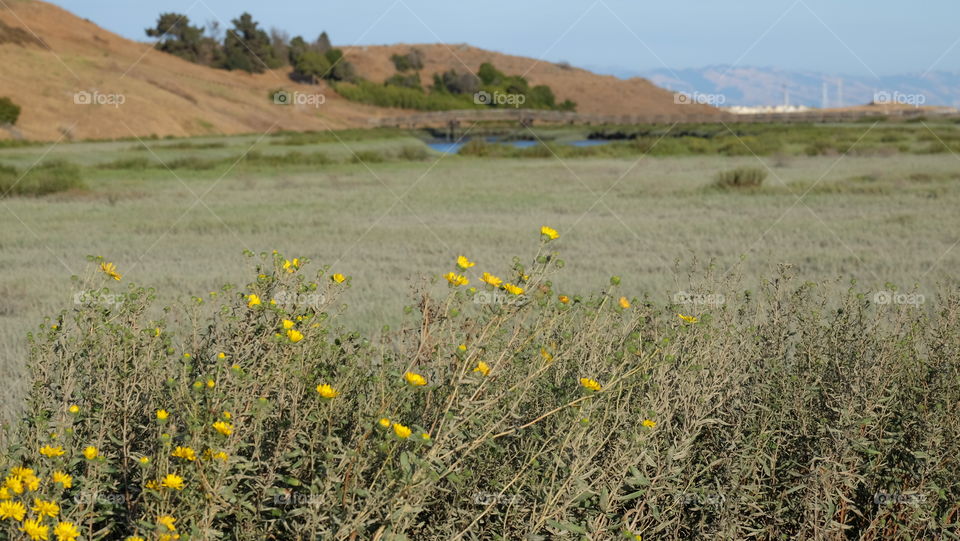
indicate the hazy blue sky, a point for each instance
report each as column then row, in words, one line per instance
column 856, row 37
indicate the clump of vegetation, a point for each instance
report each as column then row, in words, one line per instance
column 364, row 91
column 176, row 36
column 9, row 112
column 248, row 47
column 740, row 178
column 451, row 90
column 129, row 164
column 412, row 61
column 500, row 405
column 49, row 177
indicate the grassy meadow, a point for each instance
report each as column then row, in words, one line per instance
column 790, row 401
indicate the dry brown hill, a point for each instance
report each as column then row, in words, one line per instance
column 164, row 95
column 594, row 94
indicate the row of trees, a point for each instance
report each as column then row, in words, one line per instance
column 488, row 79
column 247, row 47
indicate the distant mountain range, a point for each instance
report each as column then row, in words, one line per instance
column 771, row 86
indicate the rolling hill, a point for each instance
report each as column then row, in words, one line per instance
column 52, row 60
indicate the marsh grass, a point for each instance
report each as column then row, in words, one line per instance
column 740, row 178
column 788, row 412
column 49, row 177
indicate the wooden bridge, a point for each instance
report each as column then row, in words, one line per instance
column 455, row 120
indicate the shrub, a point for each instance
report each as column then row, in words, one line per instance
column 413, row 153
column 368, row 156
column 403, row 98
column 9, row 112
column 129, row 163
column 47, row 178
column 290, row 159
column 532, row 417
column 741, row 177
column 412, row 61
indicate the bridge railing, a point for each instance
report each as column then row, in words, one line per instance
column 443, row 118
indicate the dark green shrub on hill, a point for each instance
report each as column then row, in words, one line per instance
column 9, row 112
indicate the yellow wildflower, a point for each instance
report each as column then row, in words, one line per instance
column 547, row 356
column 144, row 460
column 14, row 510
column 384, row 422
column 624, row 303
column 21, row 472
column 401, row 431
column 74, row 409
column 185, row 453
column 564, row 299
column 287, row 324
column 45, row 508
column 227, row 415
column 162, row 414
column 338, row 278
column 415, row 379
column 253, row 300
column 66, row 531
column 512, row 289
column 151, row 484
column 294, row 335
column 134, row 538
column 168, row 521
column 688, row 319
column 464, row 263
column 483, row 368
column 172, row 481
column 549, row 232
column 49, row 451
column 327, row 391
column 13, row 483
column 62, row 478
column 34, row 530
column 219, row 455
column 590, row 384
column 491, row 279
column 455, row 279
column 223, row 427
column 211, row 384
column 32, row 482
column 649, row 423
column 221, row 355
column 110, row 270
column 91, row 452
column 425, row 436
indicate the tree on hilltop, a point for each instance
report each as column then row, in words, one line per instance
column 247, row 47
